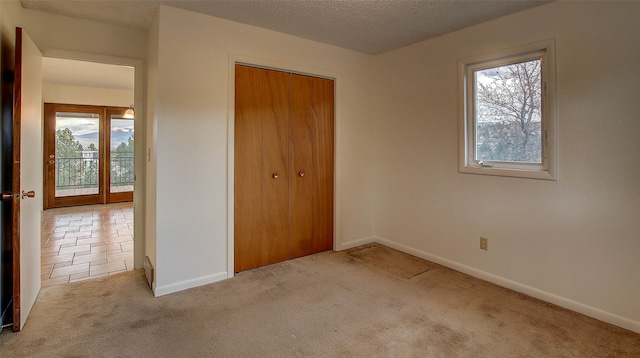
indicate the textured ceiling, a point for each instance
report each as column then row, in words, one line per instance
column 368, row 26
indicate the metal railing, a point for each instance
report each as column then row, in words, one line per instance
column 79, row 172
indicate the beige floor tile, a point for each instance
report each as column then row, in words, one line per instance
column 127, row 246
column 77, row 235
column 45, row 270
column 49, row 250
column 120, row 239
column 105, row 248
column 54, row 235
column 54, row 281
column 90, row 240
column 107, row 268
column 119, row 256
column 76, row 242
column 63, row 264
column 59, row 242
column 123, row 232
column 78, row 276
column 74, row 249
column 66, row 229
column 70, row 270
column 56, row 259
column 79, row 259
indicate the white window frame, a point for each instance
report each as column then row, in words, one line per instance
column 544, row 50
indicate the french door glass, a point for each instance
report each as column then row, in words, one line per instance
column 121, row 141
column 77, row 154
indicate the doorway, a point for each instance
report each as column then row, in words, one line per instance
column 89, row 155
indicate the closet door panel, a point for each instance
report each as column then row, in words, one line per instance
column 301, row 169
column 275, row 176
column 323, row 163
column 248, row 221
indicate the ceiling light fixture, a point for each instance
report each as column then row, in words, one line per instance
column 129, row 113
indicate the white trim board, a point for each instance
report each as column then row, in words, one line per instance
column 351, row 244
column 185, row 285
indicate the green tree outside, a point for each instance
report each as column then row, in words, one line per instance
column 122, row 169
column 68, row 164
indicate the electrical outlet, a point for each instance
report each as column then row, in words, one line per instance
column 484, row 243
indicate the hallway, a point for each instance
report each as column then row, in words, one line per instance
column 84, row 242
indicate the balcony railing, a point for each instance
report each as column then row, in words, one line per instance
column 78, row 172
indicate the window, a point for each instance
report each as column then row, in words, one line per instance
column 508, row 112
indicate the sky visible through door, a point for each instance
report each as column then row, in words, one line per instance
column 84, row 130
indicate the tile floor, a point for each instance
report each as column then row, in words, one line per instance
column 84, row 242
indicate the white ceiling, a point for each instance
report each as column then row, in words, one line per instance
column 87, row 74
column 368, row 26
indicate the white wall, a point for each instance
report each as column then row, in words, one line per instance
column 192, row 117
column 575, row 241
column 57, row 93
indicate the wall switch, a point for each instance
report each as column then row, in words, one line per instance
column 484, row 243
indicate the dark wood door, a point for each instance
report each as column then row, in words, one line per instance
column 7, row 181
column 283, row 166
column 21, row 205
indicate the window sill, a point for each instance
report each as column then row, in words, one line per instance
column 503, row 172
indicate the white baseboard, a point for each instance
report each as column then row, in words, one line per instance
column 354, row 243
column 593, row 312
column 185, row 285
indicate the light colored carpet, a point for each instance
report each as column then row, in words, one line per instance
column 326, row 305
column 393, row 261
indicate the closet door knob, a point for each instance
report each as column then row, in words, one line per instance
column 275, row 175
column 301, row 173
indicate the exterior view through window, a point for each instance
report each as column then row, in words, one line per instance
column 507, row 107
column 509, row 113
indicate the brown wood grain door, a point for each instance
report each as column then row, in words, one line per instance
column 261, row 178
column 283, row 166
column 312, row 153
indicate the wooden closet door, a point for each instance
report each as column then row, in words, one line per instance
column 261, row 219
column 311, row 165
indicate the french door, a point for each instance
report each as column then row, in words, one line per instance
column 88, row 153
